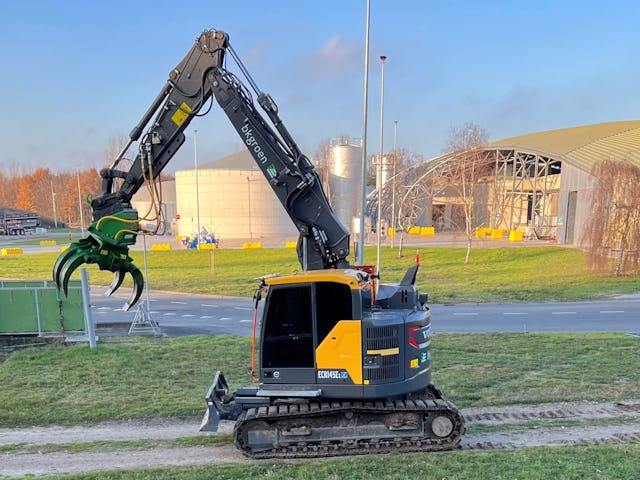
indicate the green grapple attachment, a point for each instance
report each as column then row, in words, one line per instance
column 107, row 246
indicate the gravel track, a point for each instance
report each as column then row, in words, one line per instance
column 20, row 464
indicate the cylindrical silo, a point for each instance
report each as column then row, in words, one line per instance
column 235, row 201
column 344, row 169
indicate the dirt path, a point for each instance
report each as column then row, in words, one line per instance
column 612, row 423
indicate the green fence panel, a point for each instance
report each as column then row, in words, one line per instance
column 36, row 307
column 56, row 316
column 18, row 311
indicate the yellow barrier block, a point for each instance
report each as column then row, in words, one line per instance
column 498, row 233
column 515, row 236
column 391, row 232
column 48, row 243
column 207, row 246
column 414, row 231
column 252, row 245
column 290, row 244
column 11, row 251
column 483, row 232
column 427, row 231
column 179, row 238
column 160, row 247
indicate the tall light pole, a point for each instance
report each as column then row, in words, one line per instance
column 80, row 205
column 53, row 200
column 195, row 161
column 379, row 172
column 363, row 176
column 393, row 180
column 249, row 198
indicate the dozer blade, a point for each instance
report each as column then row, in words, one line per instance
column 217, row 409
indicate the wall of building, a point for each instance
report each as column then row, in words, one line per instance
column 232, row 204
column 574, row 208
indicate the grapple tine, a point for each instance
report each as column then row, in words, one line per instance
column 118, row 278
column 59, row 265
column 138, row 285
column 68, row 268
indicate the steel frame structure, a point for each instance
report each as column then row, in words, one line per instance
column 523, row 192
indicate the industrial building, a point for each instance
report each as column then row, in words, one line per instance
column 541, row 185
column 230, row 198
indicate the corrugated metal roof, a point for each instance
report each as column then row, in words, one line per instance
column 581, row 146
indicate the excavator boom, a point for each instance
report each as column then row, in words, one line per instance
column 200, row 76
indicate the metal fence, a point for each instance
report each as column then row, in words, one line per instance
column 36, row 307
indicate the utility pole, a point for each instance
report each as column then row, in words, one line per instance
column 363, row 176
column 53, row 200
column 80, row 205
column 380, row 160
column 195, row 161
column 393, row 181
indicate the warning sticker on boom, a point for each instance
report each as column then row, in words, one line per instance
column 181, row 114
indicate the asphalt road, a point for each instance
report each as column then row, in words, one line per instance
column 188, row 314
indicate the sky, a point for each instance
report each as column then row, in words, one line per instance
column 79, row 74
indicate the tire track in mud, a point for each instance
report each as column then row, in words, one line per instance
column 509, row 437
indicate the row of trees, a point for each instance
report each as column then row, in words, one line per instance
column 56, row 197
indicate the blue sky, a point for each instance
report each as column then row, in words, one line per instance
column 78, row 73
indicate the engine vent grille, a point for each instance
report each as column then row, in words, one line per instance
column 388, row 367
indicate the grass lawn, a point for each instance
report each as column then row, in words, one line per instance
column 168, row 377
column 494, row 274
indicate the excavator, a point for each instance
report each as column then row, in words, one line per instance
column 344, row 361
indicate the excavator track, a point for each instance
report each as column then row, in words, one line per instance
column 310, row 429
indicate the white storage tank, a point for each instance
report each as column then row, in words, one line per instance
column 344, row 171
column 235, row 201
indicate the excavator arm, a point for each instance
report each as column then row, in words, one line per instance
column 323, row 241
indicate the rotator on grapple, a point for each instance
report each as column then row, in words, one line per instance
column 344, row 363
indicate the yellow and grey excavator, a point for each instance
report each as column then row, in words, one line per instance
column 344, row 364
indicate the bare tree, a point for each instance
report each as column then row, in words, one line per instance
column 465, row 171
column 613, row 231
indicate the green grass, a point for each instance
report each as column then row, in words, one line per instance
column 168, row 377
column 494, row 274
column 612, row 462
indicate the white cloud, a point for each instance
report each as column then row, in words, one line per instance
column 338, row 57
column 255, row 54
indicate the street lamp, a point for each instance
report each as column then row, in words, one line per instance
column 195, row 161
column 363, row 173
column 249, row 198
column 379, row 172
column 393, row 184
column 53, row 200
column 80, row 205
